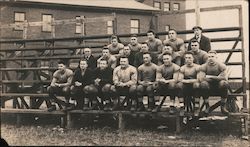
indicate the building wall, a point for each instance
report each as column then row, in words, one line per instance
column 34, row 14
column 177, row 22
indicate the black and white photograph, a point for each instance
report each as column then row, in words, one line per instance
column 124, row 73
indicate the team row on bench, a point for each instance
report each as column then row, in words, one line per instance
column 188, row 82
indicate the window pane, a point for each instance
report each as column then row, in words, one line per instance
column 157, row 5
column 167, row 27
column 80, row 28
column 110, row 23
column 109, row 30
column 47, row 20
column 166, row 7
column 19, row 19
column 176, row 6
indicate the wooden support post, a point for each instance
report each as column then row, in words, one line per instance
column 69, row 120
column 63, row 121
column 121, row 123
column 178, row 124
column 18, row 120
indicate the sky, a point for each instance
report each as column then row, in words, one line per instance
column 220, row 19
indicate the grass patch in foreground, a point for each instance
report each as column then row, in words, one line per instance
column 91, row 136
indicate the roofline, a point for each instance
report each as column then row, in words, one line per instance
column 79, row 6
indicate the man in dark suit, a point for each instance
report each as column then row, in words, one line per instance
column 203, row 40
column 91, row 60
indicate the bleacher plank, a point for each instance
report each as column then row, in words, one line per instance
column 31, row 111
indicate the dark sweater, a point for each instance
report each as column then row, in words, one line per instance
column 105, row 75
column 85, row 79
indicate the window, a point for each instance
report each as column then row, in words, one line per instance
column 110, row 27
column 134, row 26
column 167, row 28
column 47, row 19
column 19, row 18
column 79, row 28
column 166, row 6
column 157, row 4
column 176, row 6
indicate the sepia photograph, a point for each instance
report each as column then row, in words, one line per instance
column 124, row 73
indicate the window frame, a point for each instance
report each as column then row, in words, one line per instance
column 80, row 26
column 166, row 37
column 169, row 6
column 110, row 27
column 133, row 27
column 47, row 31
column 158, row 3
column 179, row 6
column 18, row 21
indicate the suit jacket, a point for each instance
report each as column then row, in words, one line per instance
column 91, row 62
column 85, row 79
column 204, row 43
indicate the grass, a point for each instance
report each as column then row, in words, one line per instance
column 135, row 135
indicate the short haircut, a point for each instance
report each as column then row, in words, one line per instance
column 105, row 48
column 133, row 35
column 167, row 53
column 151, row 31
column 212, row 51
column 62, row 62
column 189, row 53
column 168, row 44
column 193, row 40
column 144, row 43
column 126, row 46
column 123, row 57
column 146, row 53
column 104, row 60
column 173, row 30
column 114, row 37
column 83, row 60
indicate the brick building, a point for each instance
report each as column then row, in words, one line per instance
column 132, row 16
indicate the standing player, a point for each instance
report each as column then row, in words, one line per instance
column 214, row 80
column 138, row 60
column 203, row 41
column 103, row 81
column 124, row 79
column 167, row 77
column 146, row 82
column 60, row 85
column 188, row 83
column 107, row 56
column 127, row 52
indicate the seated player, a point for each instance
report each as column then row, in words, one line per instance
column 167, row 77
column 134, row 45
column 200, row 56
column 138, row 60
column 82, row 87
column 173, row 40
column 124, row 79
column 107, row 56
column 115, row 47
column 214, row 80
column 60, row 85
column 103, row 81
column 127, row 52
column 188, row 83
column 146, row 82
column 176, row 58
column 154, row 44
